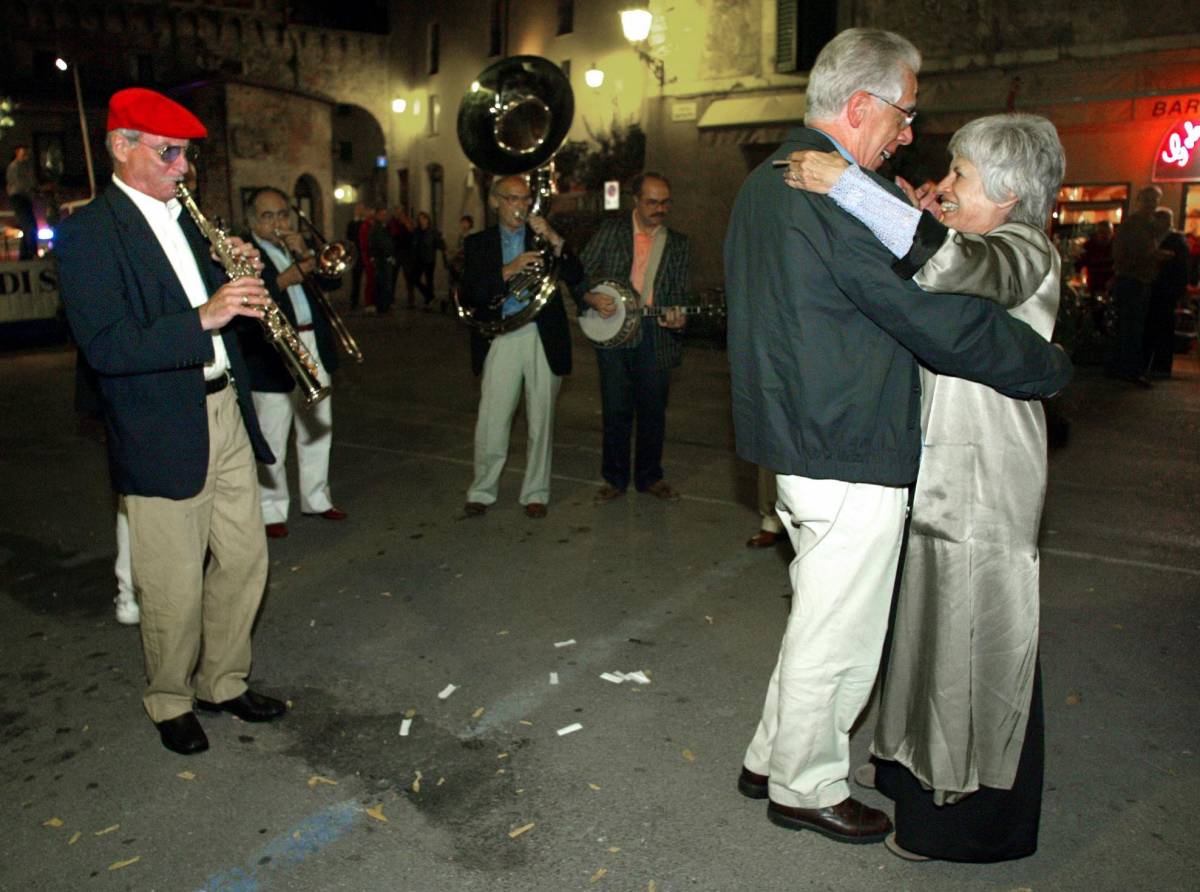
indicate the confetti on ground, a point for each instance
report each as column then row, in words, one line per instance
column 377, row 813
column 650, row 887
column 708, row 619
column 186, row 775
column 595, row 787
column 312, row 623
column 410, row 713
column 501, row 755
column 599, row 874
column 416, row 784
column 478, row 713
column 118, row 865
column 1074, row 699
column 639, row 676
column 524, row 722
column 385, row 594
column 1118, row 626
column 74, row 838
column 566, row 643
column 52, row 822
column 570, row 729
column 612, row 850
column 109, row 829
column 501, row 771
column 689, row 755
column 525, row 828
column 289, row 704
column 553, row 678
column 404, row 726
column 447, row 691
column 502, row 632
column 615, row 679
column 441, row 780
column 317, row 779
column 295, row 568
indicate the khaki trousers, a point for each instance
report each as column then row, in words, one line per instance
column 847, row 542
column 515, row 363
column 196, row 620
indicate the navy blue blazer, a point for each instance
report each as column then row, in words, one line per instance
column 268, row 374
column 133, row 321
column 483, row 279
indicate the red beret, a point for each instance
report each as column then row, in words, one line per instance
column 150, row 112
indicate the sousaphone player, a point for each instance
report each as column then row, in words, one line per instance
column 516, row 115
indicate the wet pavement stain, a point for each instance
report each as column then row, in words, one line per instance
column 475, row 805
column 49, row 581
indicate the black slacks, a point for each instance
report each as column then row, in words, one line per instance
column 633, row 389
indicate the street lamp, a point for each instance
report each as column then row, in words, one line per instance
column 635, row 24
column 61, row 64
column 593, row 77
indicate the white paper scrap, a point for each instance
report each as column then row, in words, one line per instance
column 639, row 676
column 404, row 726
column 447, row 691
column 553, row 678
column 615, row 679
column 566, row 643
column 570, row 729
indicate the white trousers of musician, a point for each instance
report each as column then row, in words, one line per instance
column 123, row 565
column 515, row 363
column 278, row 413
column 847, row 542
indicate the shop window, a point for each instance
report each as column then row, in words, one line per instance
column 1189, row 220
column 1081, row 206
column 435, row 47
column 498, row 13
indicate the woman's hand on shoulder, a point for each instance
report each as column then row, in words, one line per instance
column 814, row 171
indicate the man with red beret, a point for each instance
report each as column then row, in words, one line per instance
column 150, row 310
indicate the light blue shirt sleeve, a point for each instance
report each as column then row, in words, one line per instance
column 512, row 246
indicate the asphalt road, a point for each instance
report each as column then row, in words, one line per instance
column 366, row 622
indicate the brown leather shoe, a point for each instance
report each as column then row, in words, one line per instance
column 330, row 514
column 751, row 785
column 277, row 531
column 607, row 493
column 763, row 539
column 535, row 510
column 474, row 509
column 849, row 821
column 661, row 489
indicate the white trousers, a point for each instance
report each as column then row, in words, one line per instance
column 278, row 413
column 123, row 566
column 847, row 542
column 515, row 362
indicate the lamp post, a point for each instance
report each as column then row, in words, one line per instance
column 61, row 64
column 635, row 24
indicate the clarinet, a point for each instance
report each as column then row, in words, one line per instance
column 276, row 328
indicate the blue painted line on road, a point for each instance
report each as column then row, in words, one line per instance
column 289, row 849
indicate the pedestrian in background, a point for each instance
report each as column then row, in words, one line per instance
column 426, row 244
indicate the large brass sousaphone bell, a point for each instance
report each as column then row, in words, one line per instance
column 512, row 121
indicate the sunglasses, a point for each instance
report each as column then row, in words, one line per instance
column 170, row 153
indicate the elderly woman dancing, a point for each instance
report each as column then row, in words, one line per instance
column 958, row 745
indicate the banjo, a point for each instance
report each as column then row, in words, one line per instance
column 619, row 328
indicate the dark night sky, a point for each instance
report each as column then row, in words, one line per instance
column 358, row 15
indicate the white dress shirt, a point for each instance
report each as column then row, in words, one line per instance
column 163, row 217
column 295, row 293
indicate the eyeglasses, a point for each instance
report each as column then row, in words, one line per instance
column 515, row 198
column 170, row 153
column 910, row 114
column 281, row 216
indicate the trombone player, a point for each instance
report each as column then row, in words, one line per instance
column 289, row 271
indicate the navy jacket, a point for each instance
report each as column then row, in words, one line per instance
column 135, row 326
column 268, row 374
column 483, row 279
column 824, row 337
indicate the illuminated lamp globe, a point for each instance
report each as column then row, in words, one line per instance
column 399, row 106
column 635, row 23
column 593, row 77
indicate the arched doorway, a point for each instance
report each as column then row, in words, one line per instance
column 358, row 148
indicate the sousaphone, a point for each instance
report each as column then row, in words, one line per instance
column 511, row 121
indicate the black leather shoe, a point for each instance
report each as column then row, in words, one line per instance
column 849, row 821
column 248, row 706
column 183, row 734
column 751, row 785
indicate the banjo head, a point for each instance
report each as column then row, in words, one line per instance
column 621, row 325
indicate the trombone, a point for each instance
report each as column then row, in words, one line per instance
column 333, row 259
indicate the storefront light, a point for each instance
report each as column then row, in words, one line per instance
column 399, row 106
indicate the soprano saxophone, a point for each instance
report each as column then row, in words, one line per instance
column 277, row 329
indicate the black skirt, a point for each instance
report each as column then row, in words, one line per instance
column 988, row 825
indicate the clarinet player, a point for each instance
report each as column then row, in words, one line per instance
column 151, row 312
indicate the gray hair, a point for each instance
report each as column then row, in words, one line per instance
column 1018, row 156
column 867, row 59
column 130, row 136
column 494, row 191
